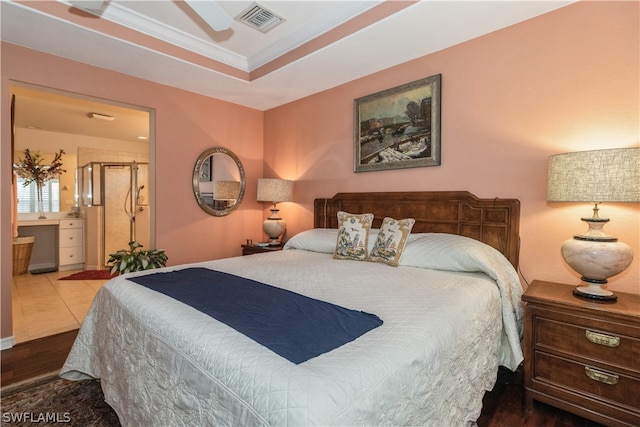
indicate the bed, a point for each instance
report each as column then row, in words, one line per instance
column 449, row 315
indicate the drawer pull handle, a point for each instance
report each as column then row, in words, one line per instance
column 602, row 339
column 603, row 377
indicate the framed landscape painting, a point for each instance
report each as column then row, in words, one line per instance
column 399, row 127
column 205, row 170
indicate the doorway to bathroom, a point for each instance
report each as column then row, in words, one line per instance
column 119, row 138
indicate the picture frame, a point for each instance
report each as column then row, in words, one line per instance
column 205, row 170
column 398, row 128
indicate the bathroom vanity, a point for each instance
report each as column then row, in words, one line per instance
column 59, row 242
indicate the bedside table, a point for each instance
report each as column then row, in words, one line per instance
column 250, row 250
column 581, row 356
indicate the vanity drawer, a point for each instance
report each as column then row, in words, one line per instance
column 601, row 344
column 71, row 255
column 70, row 237
column 587, row 380
column 70, row 223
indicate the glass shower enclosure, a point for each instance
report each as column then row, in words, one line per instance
column 113, row 198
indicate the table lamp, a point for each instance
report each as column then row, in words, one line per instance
column 227, row 191
column 611, row 175
column 274, row 191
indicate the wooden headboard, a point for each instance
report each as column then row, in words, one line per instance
column 495, row 222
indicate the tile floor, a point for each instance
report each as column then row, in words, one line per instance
column 44, row 305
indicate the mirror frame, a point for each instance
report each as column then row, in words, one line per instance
column 196, row 181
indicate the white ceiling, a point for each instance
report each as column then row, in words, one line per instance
column 171, row 44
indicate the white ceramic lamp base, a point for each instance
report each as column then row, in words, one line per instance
column 596, row 256
column 274, row 227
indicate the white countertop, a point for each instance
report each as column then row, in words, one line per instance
column 34, row 222
column 30, row 220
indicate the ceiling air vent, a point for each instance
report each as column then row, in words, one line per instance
column 260, row 18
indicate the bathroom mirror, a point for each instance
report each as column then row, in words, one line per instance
column 218, row 181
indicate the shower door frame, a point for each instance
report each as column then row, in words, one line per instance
column 133, row 205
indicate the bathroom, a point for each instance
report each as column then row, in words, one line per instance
column 104, row 195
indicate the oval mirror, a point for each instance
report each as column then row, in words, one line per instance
column 218, row 181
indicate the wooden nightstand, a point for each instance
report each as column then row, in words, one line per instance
column 581, row 356
column 250, row 250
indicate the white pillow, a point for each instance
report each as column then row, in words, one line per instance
column 450, row 252
column 321, row 240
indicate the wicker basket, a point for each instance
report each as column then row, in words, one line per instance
column 22, row 247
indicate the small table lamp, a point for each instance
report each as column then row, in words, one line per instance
column 596, row 176
column 227, row 191
column 274, row 191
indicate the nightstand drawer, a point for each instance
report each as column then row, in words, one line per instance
column 250, row 249
column 597, row 344
column 609, row 386
column 582, row 356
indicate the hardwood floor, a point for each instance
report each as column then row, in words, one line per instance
column 35, row 358
column 502, row 407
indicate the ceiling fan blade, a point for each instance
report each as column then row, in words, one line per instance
column 88, row 5
column 211, row 13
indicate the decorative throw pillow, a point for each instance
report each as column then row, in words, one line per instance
column 353, row 235
column 391, row 240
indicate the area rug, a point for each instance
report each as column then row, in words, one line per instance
column 90, row 275
column 53, row 401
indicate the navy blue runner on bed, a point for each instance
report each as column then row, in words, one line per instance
column 294, row 326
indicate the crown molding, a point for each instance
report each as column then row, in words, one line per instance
column 128, row 18
column 342, row 13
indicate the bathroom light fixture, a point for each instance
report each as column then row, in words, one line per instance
column 596, row 176
column 274, row 191
column 100, row 116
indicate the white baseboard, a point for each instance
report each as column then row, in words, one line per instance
column 7, row 342
column 71, row 267
column 41, row 265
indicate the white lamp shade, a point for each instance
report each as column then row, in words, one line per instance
column 275, row 190
column 596, row 176
column 226, row 190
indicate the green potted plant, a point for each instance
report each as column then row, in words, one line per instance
column 136, row 259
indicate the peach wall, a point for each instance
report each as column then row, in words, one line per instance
column 564, row 81
column 185, row 125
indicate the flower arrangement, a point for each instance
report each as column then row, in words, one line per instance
column 32, row 170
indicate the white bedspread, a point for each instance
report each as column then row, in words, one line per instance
column 163, row 363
